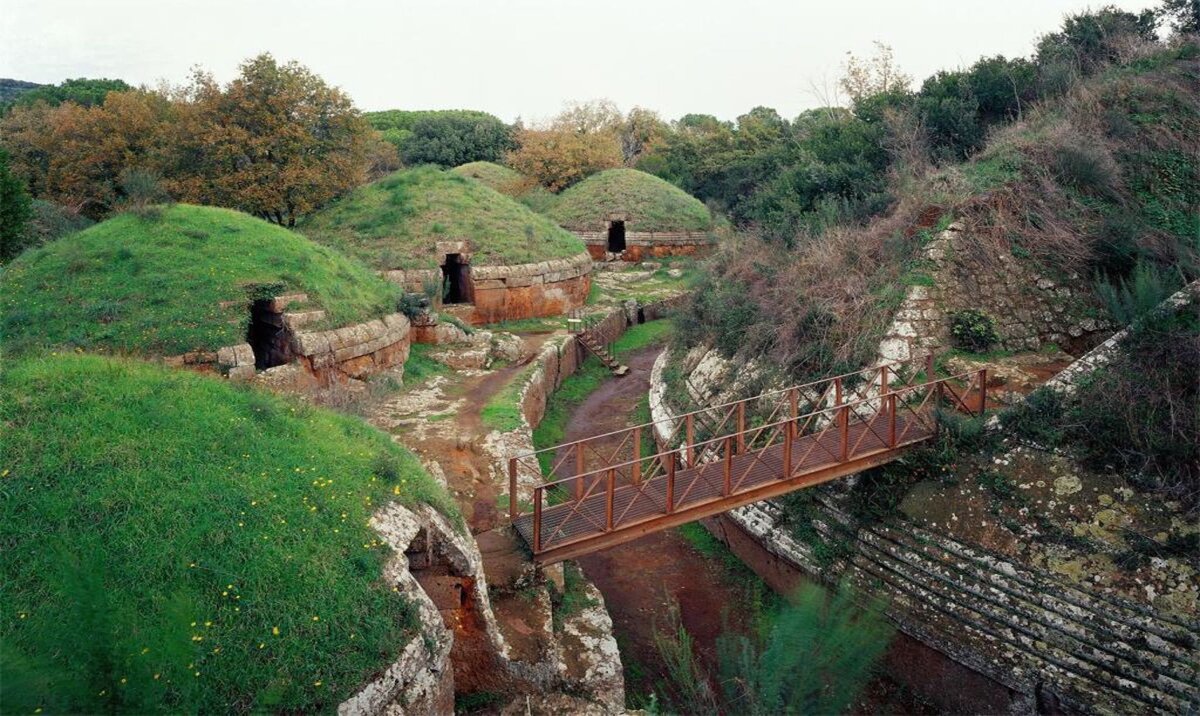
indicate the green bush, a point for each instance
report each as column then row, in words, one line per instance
column 819, row 653
column 1127, row 300
column 1139, row 414
column 973, row 330
column 15, row 213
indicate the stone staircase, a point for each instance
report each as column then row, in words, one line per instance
column 596, row 348
column 1025, row 628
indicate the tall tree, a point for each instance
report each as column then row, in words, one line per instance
column 877, row 74
column 580, row 141
column 14, row 212
column 276, row 142
column 75, row 155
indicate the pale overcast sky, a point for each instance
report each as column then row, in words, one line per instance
column 523, row 57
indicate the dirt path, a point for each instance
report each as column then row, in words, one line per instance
column 439, row 420
column 640, row 579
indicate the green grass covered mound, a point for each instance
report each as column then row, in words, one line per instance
column 397, row 221
column 174, row 543
column 651, row 203
column 152, row 284
column 501, row 178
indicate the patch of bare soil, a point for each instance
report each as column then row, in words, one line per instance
column 439, row 420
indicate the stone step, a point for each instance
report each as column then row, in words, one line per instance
column 296, row 320
column 1095, row 629
column 981, row 606
column 1112, row 624
column 964, row 635
column 1177, row 630
column 1080, row 649
column 1174, row 638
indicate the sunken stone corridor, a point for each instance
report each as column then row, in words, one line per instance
column 888, row 407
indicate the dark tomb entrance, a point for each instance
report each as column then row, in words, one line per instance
column 268, row 337
column 456, row 285
column 616, row 237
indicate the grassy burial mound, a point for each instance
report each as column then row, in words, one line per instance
column 650, row 203
column 397, row 222
column 176, row 543
column 173, row 280
column 501, row 178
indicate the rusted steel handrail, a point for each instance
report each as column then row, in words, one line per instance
column 708, row 476
column 734, row 403
column 722, row 438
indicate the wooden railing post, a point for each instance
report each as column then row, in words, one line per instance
column 788, row 431
column 929, row 367
column 741, row 427
column 937, row 405
column 691, row 440
column 891, row 397
column 637, row 455
column 512, row 488
column 794, row 399
column 579, row 470
column 537, row 519
column 671, row 483
column 982, row 390
column 837, row 399
column 844, row 419
column 727, row 485
column 608, row 501
column 884, row 387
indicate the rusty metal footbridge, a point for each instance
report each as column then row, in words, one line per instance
column 608, row 489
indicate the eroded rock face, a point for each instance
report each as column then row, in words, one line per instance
column 1027, row 310
column 421, row 680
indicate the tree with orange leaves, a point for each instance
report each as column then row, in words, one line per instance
column 580, row 141
column 276, row 142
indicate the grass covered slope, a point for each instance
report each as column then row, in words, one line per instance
column 502, row 179
column 396, row 222
column 651, row 203
column 1086, row 188
column 174, row 543
column 152, row 285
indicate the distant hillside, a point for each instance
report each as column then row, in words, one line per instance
column 10, row 89
column 82, row 90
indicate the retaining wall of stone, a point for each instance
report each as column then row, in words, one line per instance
column 507, row 293
column 1027, row 309
column 1104, row 353
column 328, row 357
column 642, row 245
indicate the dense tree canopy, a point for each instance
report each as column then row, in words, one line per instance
column 81, row 91
column 445, row 137
column 14, row 212
column 276, row 142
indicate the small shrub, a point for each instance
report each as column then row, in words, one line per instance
column 1037, row 419
column 998, row 484
column 973, row 330
column 412, row 305
column 142, row 192
column 1127, row 300
column 1087, row 168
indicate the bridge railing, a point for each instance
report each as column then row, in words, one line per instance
column 746, row 417
column 663, row 481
